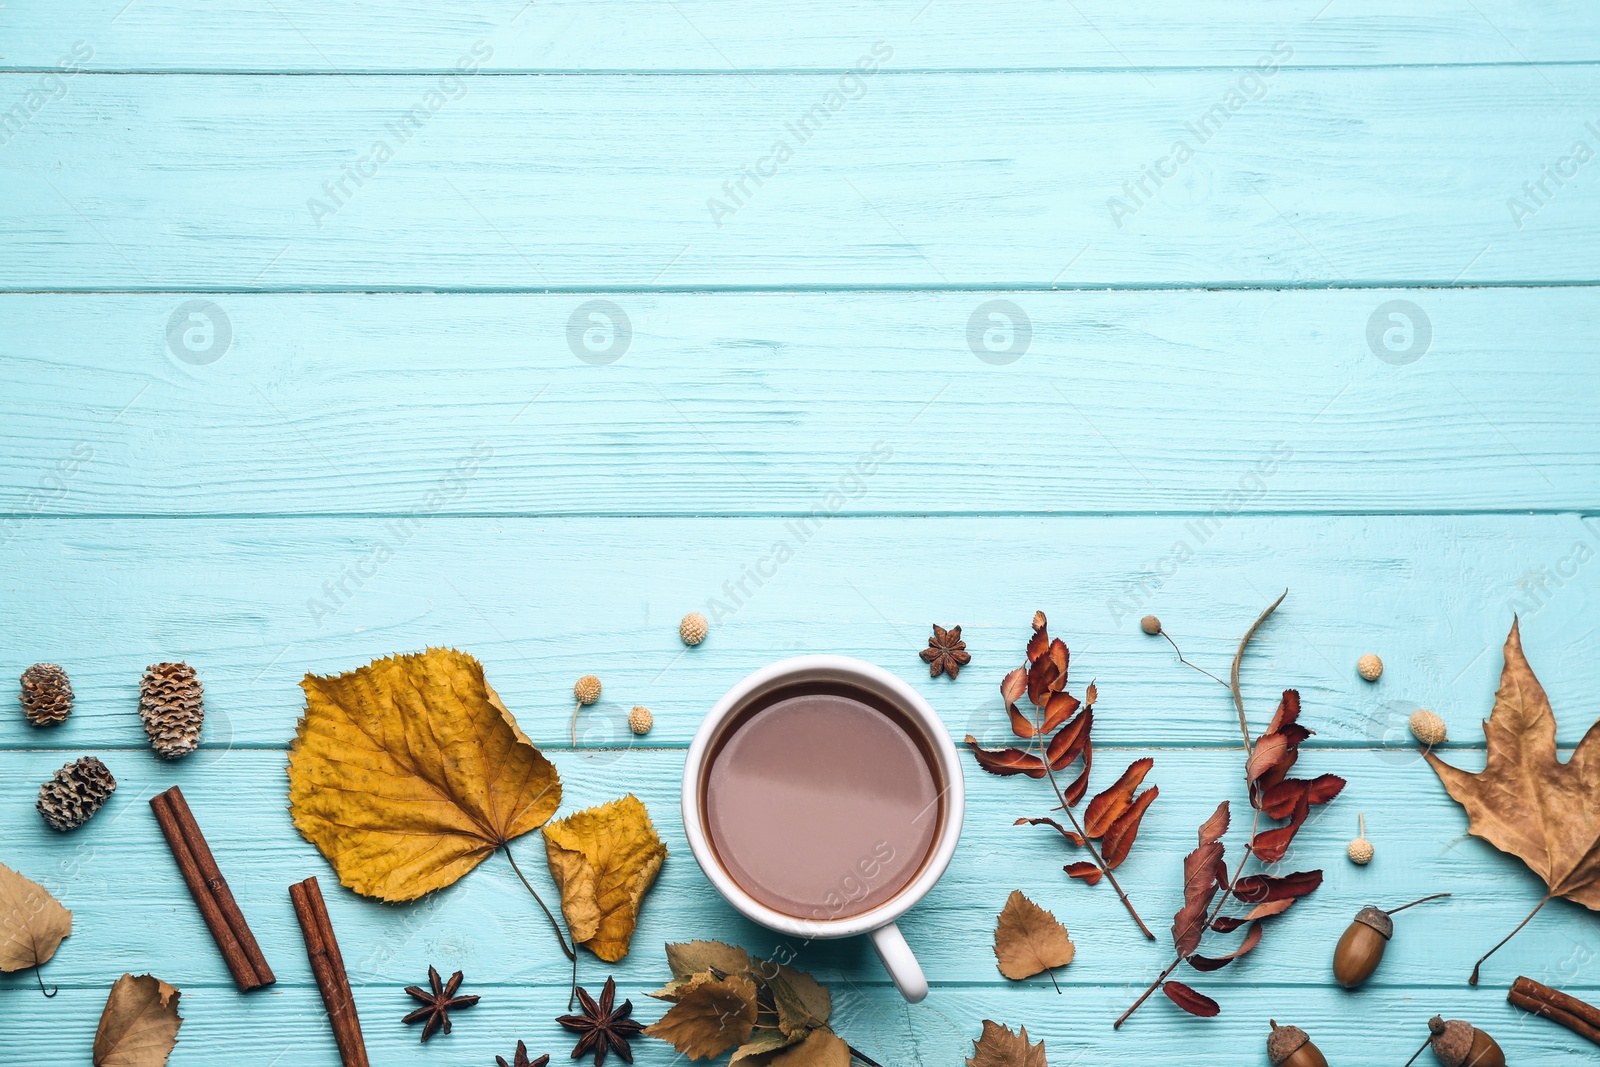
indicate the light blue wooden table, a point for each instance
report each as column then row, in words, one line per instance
column 328, row 331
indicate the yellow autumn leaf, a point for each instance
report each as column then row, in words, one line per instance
column 409, row 772
column 32, row 922
column 604, row 859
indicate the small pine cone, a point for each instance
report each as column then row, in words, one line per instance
column 640, row 720
column 693, row 628
column 46, row 694
column 170, row 705
column 75, row 793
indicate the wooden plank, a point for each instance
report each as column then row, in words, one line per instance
column 738, row 403
column 254, row 604
column 706, row 35
column 1028, row 179
column 132, row 911
column 286, row 1028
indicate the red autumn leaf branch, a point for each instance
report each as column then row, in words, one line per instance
column 1208, row 888
column 1059, row 730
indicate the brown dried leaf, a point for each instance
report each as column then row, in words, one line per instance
column 1252, row 938
column 821, row 1048
column 1028, row 940
column 692, row 957
column 1000, row 1047
column 603, row 860
column 1107, row 807
column 1006, row 761
column 710, row 1017
column 32, row 922
column 802, row 1002
column 1190, row 1001
column 1118, row 840
column 409, row 772
column 1527, row 802
column 139, row 1026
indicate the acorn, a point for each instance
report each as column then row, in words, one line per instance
column 1361, row 948
column 1458, row 1043
column 1288, row 1046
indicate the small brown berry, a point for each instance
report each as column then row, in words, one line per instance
column 640, row 720
column 1428, row 727
column 1150, row 625
column 1370, row 667
column 693, row 628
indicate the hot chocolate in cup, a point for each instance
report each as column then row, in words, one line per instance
column 823, row 798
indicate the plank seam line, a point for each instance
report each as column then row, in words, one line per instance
column 791, row 72
column 1580, row 513
column 865, row 288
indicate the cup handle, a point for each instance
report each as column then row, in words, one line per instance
column 899, row 962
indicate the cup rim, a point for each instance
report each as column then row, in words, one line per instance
column 830, row 668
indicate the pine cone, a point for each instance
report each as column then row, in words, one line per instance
column 75, row 793
column 46, row 694
column 170, row 705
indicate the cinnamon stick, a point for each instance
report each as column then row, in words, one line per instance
column 327, row 965
column 210, row 891
column 1536, row 997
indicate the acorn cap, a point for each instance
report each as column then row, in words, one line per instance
column 1377, row 919
column 1284, row 1042
column 1452, row 1040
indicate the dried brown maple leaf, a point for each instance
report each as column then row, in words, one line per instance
column 1527, row 802
column 139, row 1026
column 1000, row 1047
column 32, row 923
column 1028, row 940
column 1060, row 730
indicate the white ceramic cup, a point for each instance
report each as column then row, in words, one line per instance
column 879, row 922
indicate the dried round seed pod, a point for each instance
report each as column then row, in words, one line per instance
column 1150, row 625
column 587, row 689
column 1428, row 728
column 172, row 706
column 46, row 694
column 693, row 628
column 1360, row 850
column 1288, row 1046
column 640, row 720
column 1457, row 1043
column 1370, row 667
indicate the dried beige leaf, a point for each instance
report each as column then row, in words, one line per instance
column 821, row 1048
column 140, row 1024
column 604, row 859
column 32, row 922
column 711, row 1016
column 1028, row 940
column 692, row 957
column 409, row 772
column 802, row 1002
column 999, row 1047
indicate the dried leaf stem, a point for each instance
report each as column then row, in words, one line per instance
column 1478, row 966
column 1044, row 757
column 570, row 950
column 1194, row 666
column 1222, row 900
column 1233, row 673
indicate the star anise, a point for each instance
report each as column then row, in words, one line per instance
column 436, row 1005
column 522, row 1058
column 601, row 1027
column 946, row 652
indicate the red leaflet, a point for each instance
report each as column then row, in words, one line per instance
column 1227, row 924
column 1059, row 727
column 1200, row 883
column 1215, row 827
column 1007, row 761
column 1119, row 839
column 1216, row 963
column 1108, row 807
column 1190, row 1001
column 1261, row 888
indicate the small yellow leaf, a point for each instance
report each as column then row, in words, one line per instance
column 710, row 1017
column 1028, row 940
column 140, row 1024
column 603, row 860
column 410, row 772
column 32, row 922
column 999, row 1047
